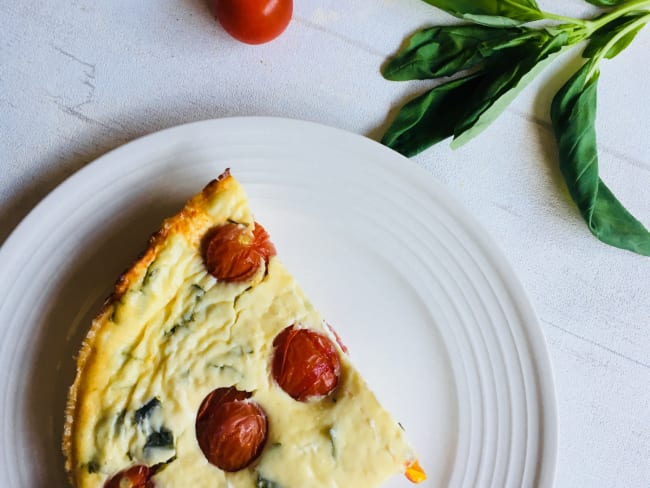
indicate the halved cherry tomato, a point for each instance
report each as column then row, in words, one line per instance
column 305, row 363
column 138, row 476
column 230, row 428
column 233, row 253
column 254, row 21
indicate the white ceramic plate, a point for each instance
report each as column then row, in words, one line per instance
column 429, row 309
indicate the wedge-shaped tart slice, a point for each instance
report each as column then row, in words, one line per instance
column 208, row 367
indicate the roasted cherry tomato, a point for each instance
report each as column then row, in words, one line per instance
column 254, row 21
column 233, row 253
column 231, row 428
column 305, row 363
column 134, row 477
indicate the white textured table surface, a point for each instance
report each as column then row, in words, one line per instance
column 79, row 78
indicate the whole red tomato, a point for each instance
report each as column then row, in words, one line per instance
column 254, row 21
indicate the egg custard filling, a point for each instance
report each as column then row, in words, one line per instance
column 208, row 367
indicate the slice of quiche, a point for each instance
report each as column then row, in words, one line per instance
column 208, row 367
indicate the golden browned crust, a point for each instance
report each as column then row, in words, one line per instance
column 179, row 223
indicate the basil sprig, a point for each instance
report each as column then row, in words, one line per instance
column 573, row 114
column 491, row 60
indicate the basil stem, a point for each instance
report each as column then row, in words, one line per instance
column 160, row 439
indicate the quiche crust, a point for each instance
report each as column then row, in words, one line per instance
column 184, row 222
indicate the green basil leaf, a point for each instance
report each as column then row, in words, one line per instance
column 602, row 36
column 497, row 13
column 145, row 410
column 516, row 37
column 442, row 51
column 464, row 107
column 607, row 3
column 623, row 42
column 262, row 482
column 431, row 117
column 164, row 438
column 93, row 466
column 504, row 83
column 573, row 114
